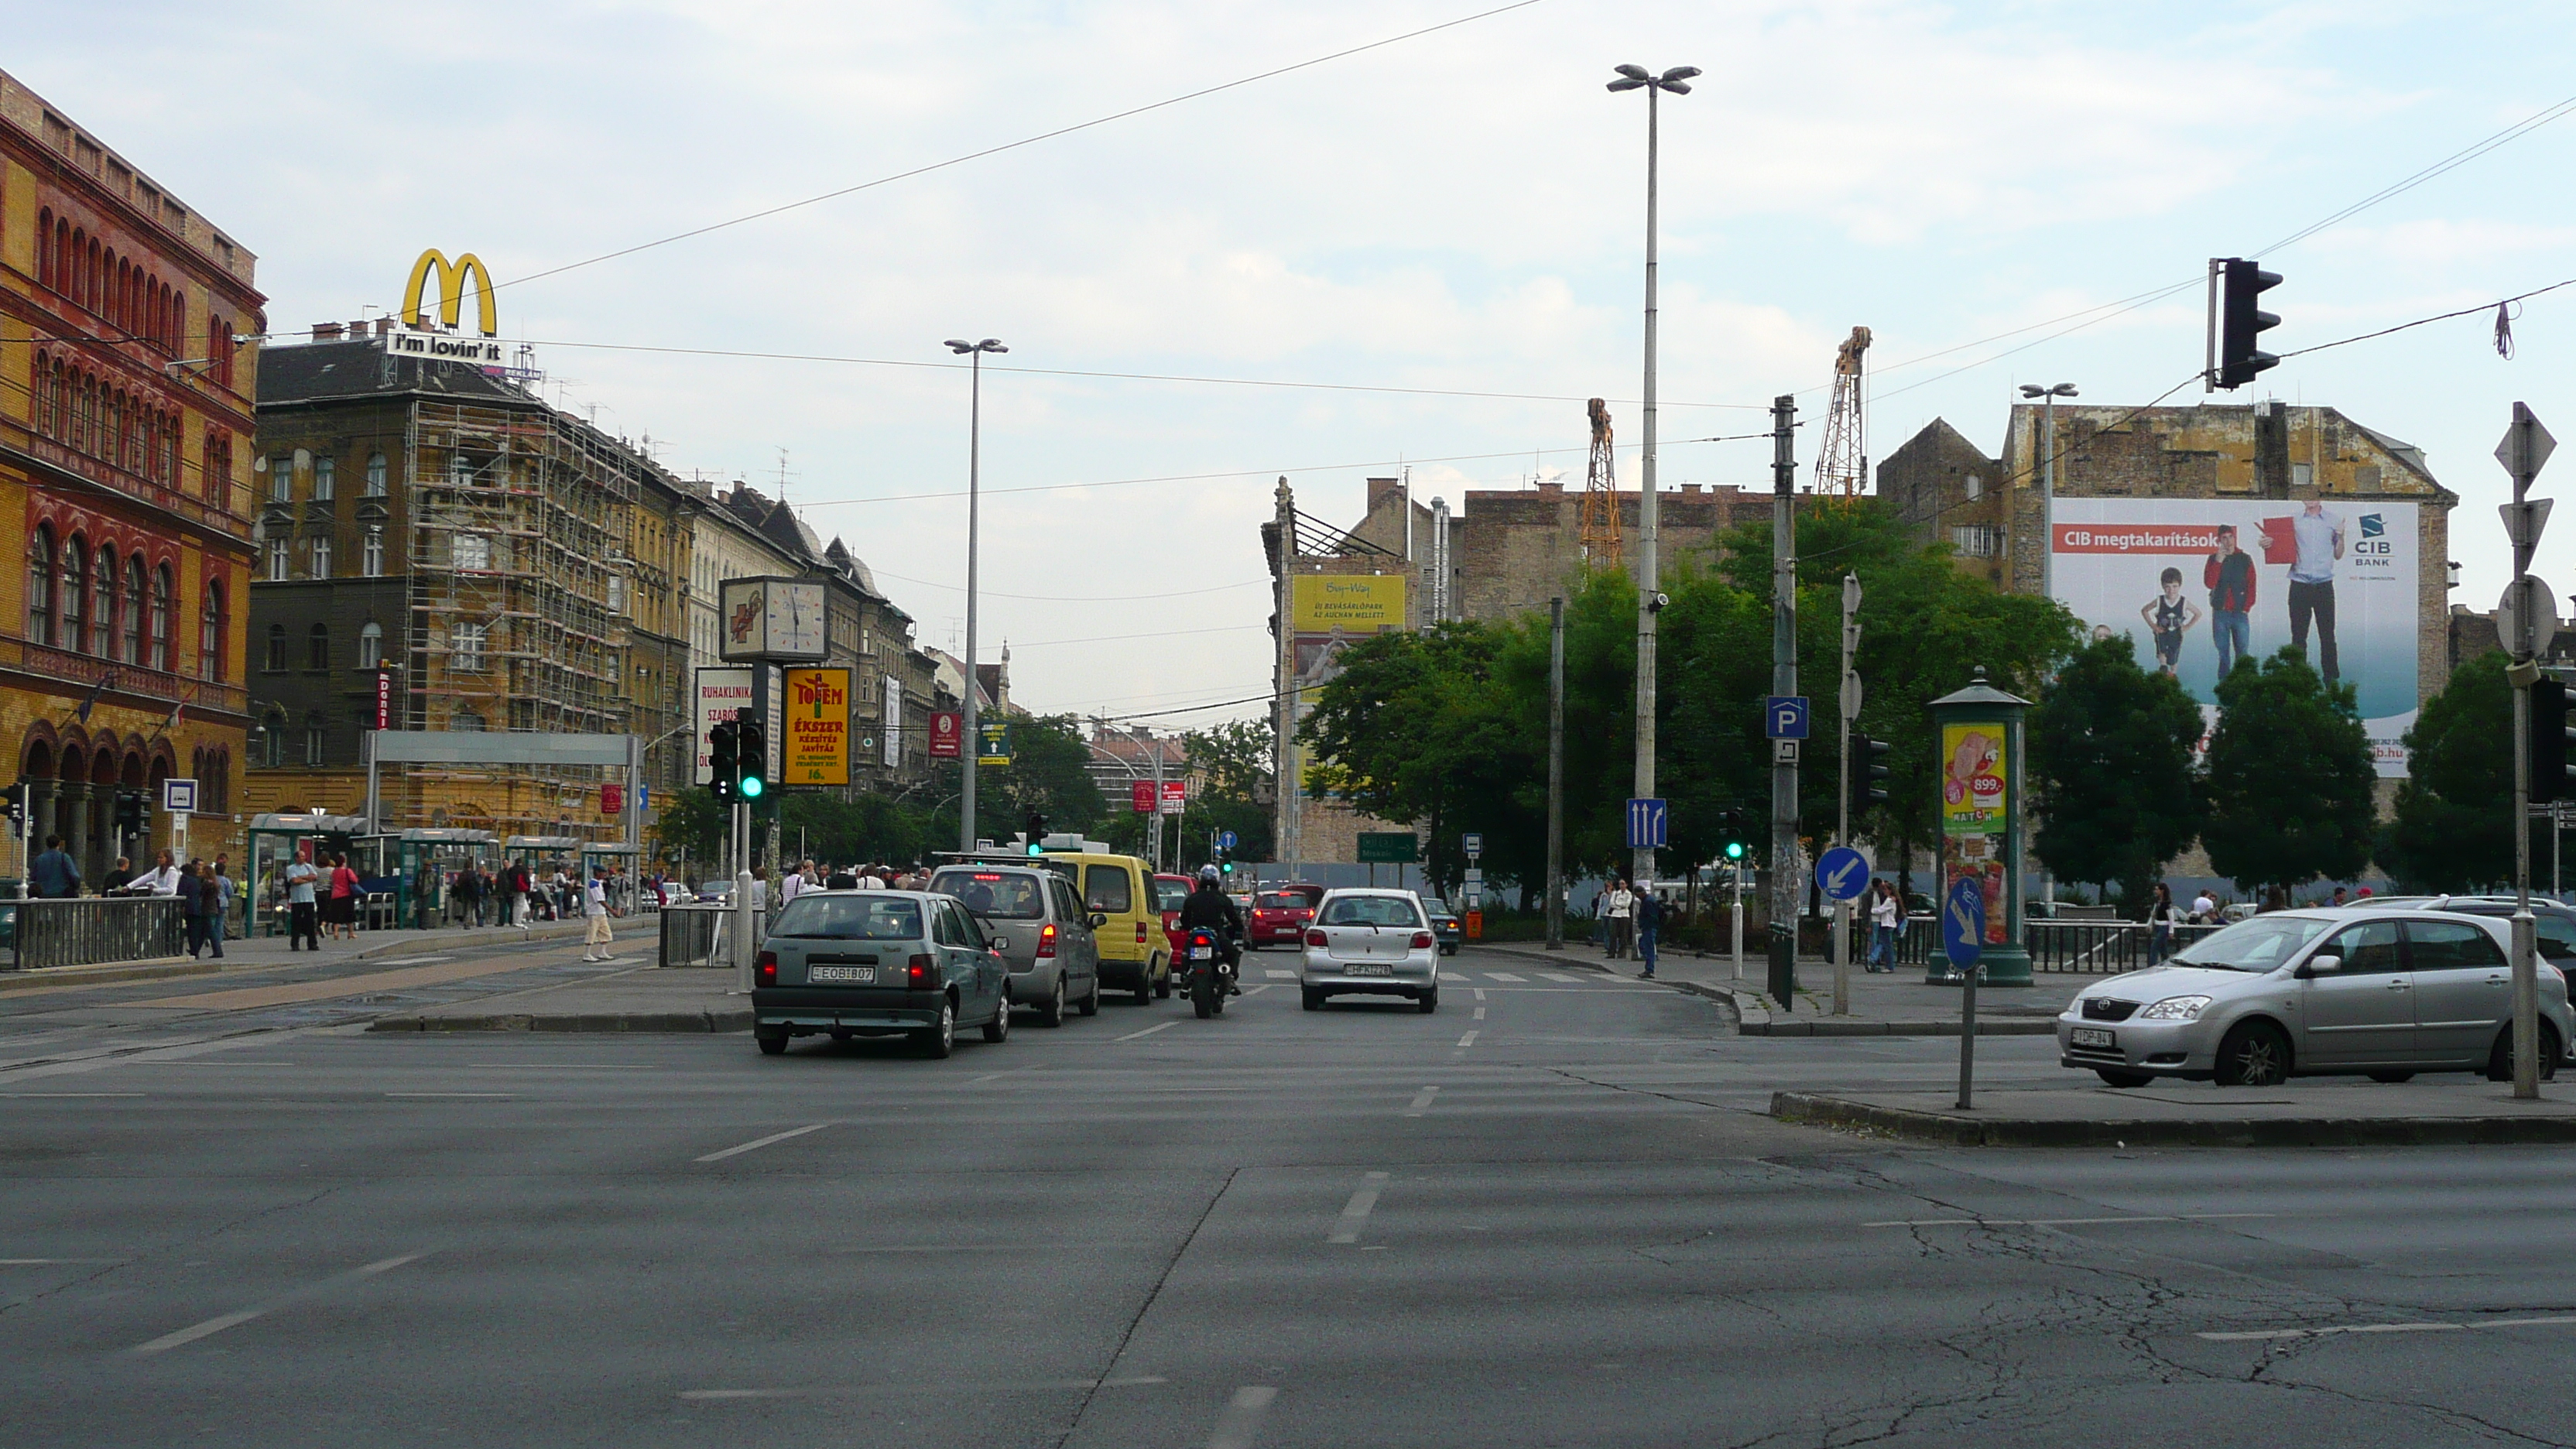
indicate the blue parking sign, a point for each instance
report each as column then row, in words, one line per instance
column 1784, row 717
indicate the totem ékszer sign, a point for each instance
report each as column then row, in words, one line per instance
column 816, row 750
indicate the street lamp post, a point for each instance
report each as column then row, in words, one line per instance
column 973, row 744
column 1641, row 866
column 2048, row 397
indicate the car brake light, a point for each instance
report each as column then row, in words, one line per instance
column 1046, row 940
column 767, row 966
column 1421, row 939
column 1318, row 938
column 993, row 876
column 921, row 974
column 1140, row 933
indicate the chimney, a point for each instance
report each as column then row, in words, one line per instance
column 1379, row 488
column 384, row 325
column 1552, row 488
column 326, row 331
column 1690, row 490
column 357, row 329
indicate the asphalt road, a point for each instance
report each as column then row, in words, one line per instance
column 1547, row 1215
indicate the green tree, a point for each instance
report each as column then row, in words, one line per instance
column 2453, row 825
column 689, row 820
column 1049, row 773
column 2289, row 777
column 2111, row 762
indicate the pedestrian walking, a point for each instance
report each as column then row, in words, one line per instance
column 594, row 908
column 1619, row 908
column 117, row 879
column 220, row 917
column 300, row 878
column 2204, row 907
column 343, row 916
column 191, row 891
column 1886, row 918
column 1649, row 909
column 53, row 873
column 2162, row 916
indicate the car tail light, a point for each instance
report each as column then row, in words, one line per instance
column 921, row 974
column 1140, row 933
column 1046, row 940
column 1318, row 938
column 767, row 967
column 1421, row 939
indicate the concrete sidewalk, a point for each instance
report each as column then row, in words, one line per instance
column 644, row 999
column 261, row 953
column 1884, row 1004
column 2308, row 1112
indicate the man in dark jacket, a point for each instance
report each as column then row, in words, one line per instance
column 1211, row 907
column 52, row 873
column 2229, row 575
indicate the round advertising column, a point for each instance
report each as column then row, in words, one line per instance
column 1978, row 767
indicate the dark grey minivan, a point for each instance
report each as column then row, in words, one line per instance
column 1031, row 916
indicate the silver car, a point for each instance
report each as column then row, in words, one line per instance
column 1370, row 941
column 1030, row 915
column 2384, row 993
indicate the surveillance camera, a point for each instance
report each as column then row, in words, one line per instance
column 1656, row 604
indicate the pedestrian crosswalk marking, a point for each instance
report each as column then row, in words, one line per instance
column 1458, row 976
column 1505, row 976
column 1276, row 974
column 1552, row 976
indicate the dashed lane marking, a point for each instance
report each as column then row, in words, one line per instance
column 1346, row 1229
column 1240, row 1424
column 437, row 1096
column 2059, row 1222
column 1421, row 1102
column 1468, row 1040
column 719, row 1396
column 757, row 1143
column 1552, row 976
column 2552, row 1321
column 1480, row 1013
column 213, row 1326
column 1460, row 977
column 1149, row 1031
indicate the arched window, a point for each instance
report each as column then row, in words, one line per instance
column 317, row 647
column 218, row 469
column 315, row 736
column 45, row 395
column 371, row 554
column 75, row 591
column 272, row 734
column 132, row 617
column 40, row 585
column 375, row 475
column 102, row 614
column 326, row 477
column 160, row 619
column 371, row 646
column 210, row 634
column 45, row 247
column 276, row 649
column 281, row 479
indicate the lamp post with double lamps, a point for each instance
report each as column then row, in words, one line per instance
column 972, row 745
column 1676, row 80
column 2048, row 397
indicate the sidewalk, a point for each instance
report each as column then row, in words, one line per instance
column 1881, row 1005
column 644, row 999
column 261, row 953
column 2308, row 1112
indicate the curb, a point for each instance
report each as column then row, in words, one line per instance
column 687, row 1022
column 43, row 977
column 1854, row 1026
column 1961, row 1130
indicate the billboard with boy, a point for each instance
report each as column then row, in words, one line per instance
column 2198, row 583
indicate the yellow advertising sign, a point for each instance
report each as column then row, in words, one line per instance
column 1352, row 604
column 817, row 717
column 451, row 290
column 1973, row 779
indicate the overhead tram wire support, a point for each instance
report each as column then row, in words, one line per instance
column 1597, row 520
column 1842, row 465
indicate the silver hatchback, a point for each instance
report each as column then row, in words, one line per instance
column 1374, row 941
column 1031, row 916
column 2385, row 994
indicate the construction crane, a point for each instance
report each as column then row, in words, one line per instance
column 1599, row 518
column 1842, row 466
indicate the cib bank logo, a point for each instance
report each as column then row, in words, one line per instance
column 443, row 344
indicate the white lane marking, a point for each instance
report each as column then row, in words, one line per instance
column 708, row 1396
column 1149, row 1031
column 1264, row 986
column 1240, row 1424
column 1421, row 1102
column 1468, row 1040
column 1356, row 1211
column 213, row 1326
column 1480, row 993
column 406, row 960
column 70, row 1096
column 40, row 1262
column 1552, row 976
column 1275, row 974
column 757, row 1143
column 487, row 1096
column 2060, row 1222
column 1460, row 977
column 1503, row 976
column 2554, row 1321
column 1480, row 1013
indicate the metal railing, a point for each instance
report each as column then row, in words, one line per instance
column 86, row 931
column 2098, row 948
column 700, row 933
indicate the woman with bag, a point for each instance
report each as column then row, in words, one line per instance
column 343, row 913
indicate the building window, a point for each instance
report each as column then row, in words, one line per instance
column 161, row 619
column 277, row 560
column 465, row 722
column 371, row 646
column 315, row 736
column 272, row 734
column 281, row 480
column 375, row 475
column 40, row 585
column 210, row 634
column 616, row 593
column 322, row 557
column 468, row 647
column 277, row 651
column 473, row 551
column 131, row 617
column 218, row 468
column 1977, row 540
column 616, row 670
column 75, row 591
column 317, row 647
column 371, row 554
column 326, row 477
column 102, row 614
column 460, row 471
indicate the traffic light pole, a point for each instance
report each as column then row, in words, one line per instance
column 1556, row 780
column 1784, row 682
column 2526, row 446
column 1846, row 705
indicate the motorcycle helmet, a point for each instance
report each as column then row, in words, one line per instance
column 1207, row 872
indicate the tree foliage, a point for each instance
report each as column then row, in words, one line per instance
column 2111, row 762
column 2289, row 777
column 2453, row 825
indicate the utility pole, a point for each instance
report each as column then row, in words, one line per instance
column 1784, row 682
column 2525, row 447
column 973, row 745
column 1848, row 708
column 1556, row 773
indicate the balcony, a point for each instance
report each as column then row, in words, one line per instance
column 107, row 475
column 131, row 679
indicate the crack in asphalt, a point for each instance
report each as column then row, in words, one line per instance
column 1110, row 1366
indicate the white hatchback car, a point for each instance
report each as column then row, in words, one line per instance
column 1374, row 942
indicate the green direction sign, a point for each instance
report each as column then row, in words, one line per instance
column 994, row 747
column 1389, row 847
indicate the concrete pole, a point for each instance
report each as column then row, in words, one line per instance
column 1641, row 866
column 973, row 745
column 2524, row 673
column 1556, row 774
column 1784, row 682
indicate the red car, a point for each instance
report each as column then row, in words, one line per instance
column 1169, row 892
column 1279, row 915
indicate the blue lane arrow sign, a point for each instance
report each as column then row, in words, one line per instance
column 1225, row 840
column 1842, row 873
column 1646, row 824
column 1963, row 922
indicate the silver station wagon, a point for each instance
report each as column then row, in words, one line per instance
column 877, row 963
column 2382, row 993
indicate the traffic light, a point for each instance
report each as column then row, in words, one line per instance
column 752, row 753
column 2239, row 322
column 1732, row 840
column 1036, row 827
column 2549, row 742
column 16, row 796
column 1868, row 772
column 724, row 759
column 1225, row 862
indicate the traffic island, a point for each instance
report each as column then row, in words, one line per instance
column 682, row 1000
column 2188, row 1114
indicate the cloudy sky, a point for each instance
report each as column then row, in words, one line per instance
column 1458, row 211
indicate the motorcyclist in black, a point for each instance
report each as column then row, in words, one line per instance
column 1209, row 906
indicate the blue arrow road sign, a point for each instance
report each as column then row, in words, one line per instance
column 1225, row 840
column 1842, row 873
column 1963, row 922
column 643, row 798
column 1784, row 717
column 1646, row 819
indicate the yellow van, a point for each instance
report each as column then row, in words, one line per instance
column 1118, row 890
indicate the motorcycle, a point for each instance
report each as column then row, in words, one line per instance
column 1210, row 974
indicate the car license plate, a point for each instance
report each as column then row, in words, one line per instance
column 1371, row 968
column 2094, row 1036
column 841, row 975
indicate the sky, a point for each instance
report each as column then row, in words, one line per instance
column 1460, row 211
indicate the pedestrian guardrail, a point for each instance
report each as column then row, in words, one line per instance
column 89, row 930
column 700, row 933
column 2092, row 948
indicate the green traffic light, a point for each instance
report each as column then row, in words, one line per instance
column 751, row 787
column 1036, row 849
column 1735, row 850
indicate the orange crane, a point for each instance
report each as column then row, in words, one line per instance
column 1842, row 465
column 1598, row 518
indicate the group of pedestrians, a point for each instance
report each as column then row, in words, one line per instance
column 805, row 876
column 1631, row 919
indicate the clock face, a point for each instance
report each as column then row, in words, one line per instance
column 796, row 619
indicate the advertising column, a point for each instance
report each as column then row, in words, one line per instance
column 1980, row 741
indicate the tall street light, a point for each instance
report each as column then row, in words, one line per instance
column 2048, row 397
column 1677, row 80
column 973, row 744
